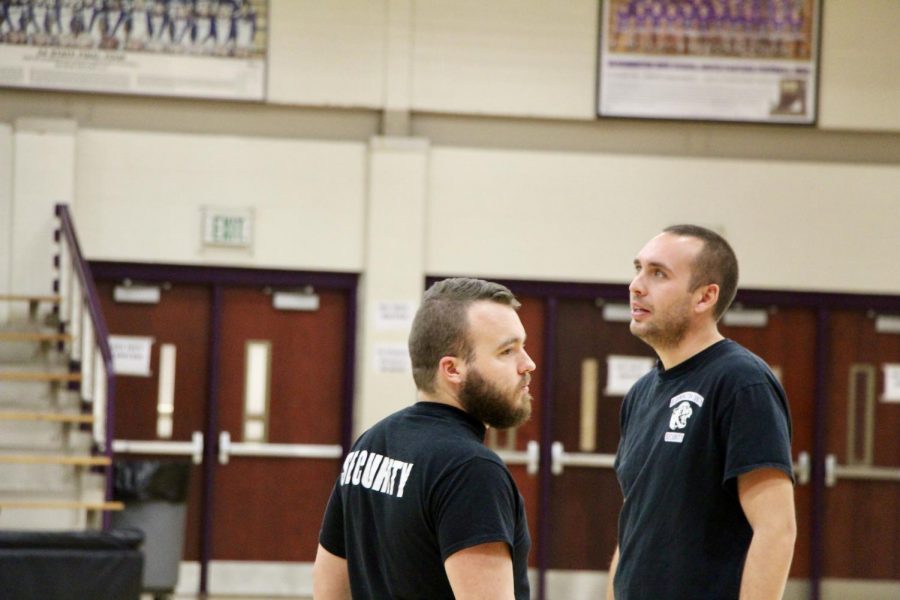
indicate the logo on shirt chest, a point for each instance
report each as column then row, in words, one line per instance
column 681, row 414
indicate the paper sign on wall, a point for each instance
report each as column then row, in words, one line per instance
column 131, row 354
column 623, row 371
column 394, row 315
column 891, row 382
column 392, row 358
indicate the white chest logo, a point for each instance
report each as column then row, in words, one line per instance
column 681, row 412
column 680, row 416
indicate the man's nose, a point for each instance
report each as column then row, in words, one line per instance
column 636, row 287
column 528, row 365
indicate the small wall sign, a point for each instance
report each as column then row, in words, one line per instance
column 227, row 227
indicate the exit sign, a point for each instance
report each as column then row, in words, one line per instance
column 232, row 227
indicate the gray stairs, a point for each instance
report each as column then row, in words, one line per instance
column 49, row 478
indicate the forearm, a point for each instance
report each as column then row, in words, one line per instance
column 613, row 565
column 767, row 566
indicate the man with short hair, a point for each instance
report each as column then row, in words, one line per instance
column 704, row 459
column 422, row 508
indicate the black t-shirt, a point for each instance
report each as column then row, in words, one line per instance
column 687, row 433
column 416, row 488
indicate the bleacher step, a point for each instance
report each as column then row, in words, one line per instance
column 60, row 505
column 34, row 336
column 48, row 298
column 12, row 415
column 40, row 376
column 55, row 459
column 34, row 303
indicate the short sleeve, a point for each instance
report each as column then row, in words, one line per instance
column 475, row 504
column 331, row 536
column 757, row 431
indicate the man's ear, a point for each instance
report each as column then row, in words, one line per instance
column 451, row 369
column 707, row 299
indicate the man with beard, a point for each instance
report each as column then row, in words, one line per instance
column 704, row 457
column 422, row 508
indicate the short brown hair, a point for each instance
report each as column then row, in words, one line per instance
column 715, row 263
column 441, row 325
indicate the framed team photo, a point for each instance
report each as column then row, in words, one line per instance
column 719, row 60
column 188, row 48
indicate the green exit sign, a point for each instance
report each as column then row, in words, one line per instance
column 228, row 227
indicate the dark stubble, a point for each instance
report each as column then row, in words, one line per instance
column 669, row 330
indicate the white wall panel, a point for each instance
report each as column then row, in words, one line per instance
column 394, row 270
column 581, row 217
column 860, row 69
column 43, row 175
column 327, row 53
column 140, row 198
column 508, row 57
column 6, row 198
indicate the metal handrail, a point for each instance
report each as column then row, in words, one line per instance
column 91, row 299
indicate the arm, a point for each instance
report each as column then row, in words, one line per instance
column 610, row 591
column 767, row 498
column 483, row 572
column 330, row 578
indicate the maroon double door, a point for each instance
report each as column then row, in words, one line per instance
column 263, row 504
column 835, row 366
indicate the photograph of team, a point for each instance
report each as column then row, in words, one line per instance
column 228, row 28
column 779, row 29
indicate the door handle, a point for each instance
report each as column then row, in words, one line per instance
column 224, row 447
column 227, row 449
column 802, row 468
column 835, row 471
column 194, row 448
column 530, row 457
column 560, row 459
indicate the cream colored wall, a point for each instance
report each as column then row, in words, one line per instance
column 525, row 58
column 860, row 67
column 327, row 53
column 43, row 174
column 139, row 197
column 582, row 217
column 394, row 270
column 506, row 57
column 534, row 58
column 6, row 196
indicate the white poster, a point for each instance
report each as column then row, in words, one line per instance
column 392, row 358
column 696, row 59
column 394, row 315
column 193, row 48
column 131, row 354
column 891, row 382
column 623, row 371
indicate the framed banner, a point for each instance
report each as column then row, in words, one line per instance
column 725, row 60
column 188, row 48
